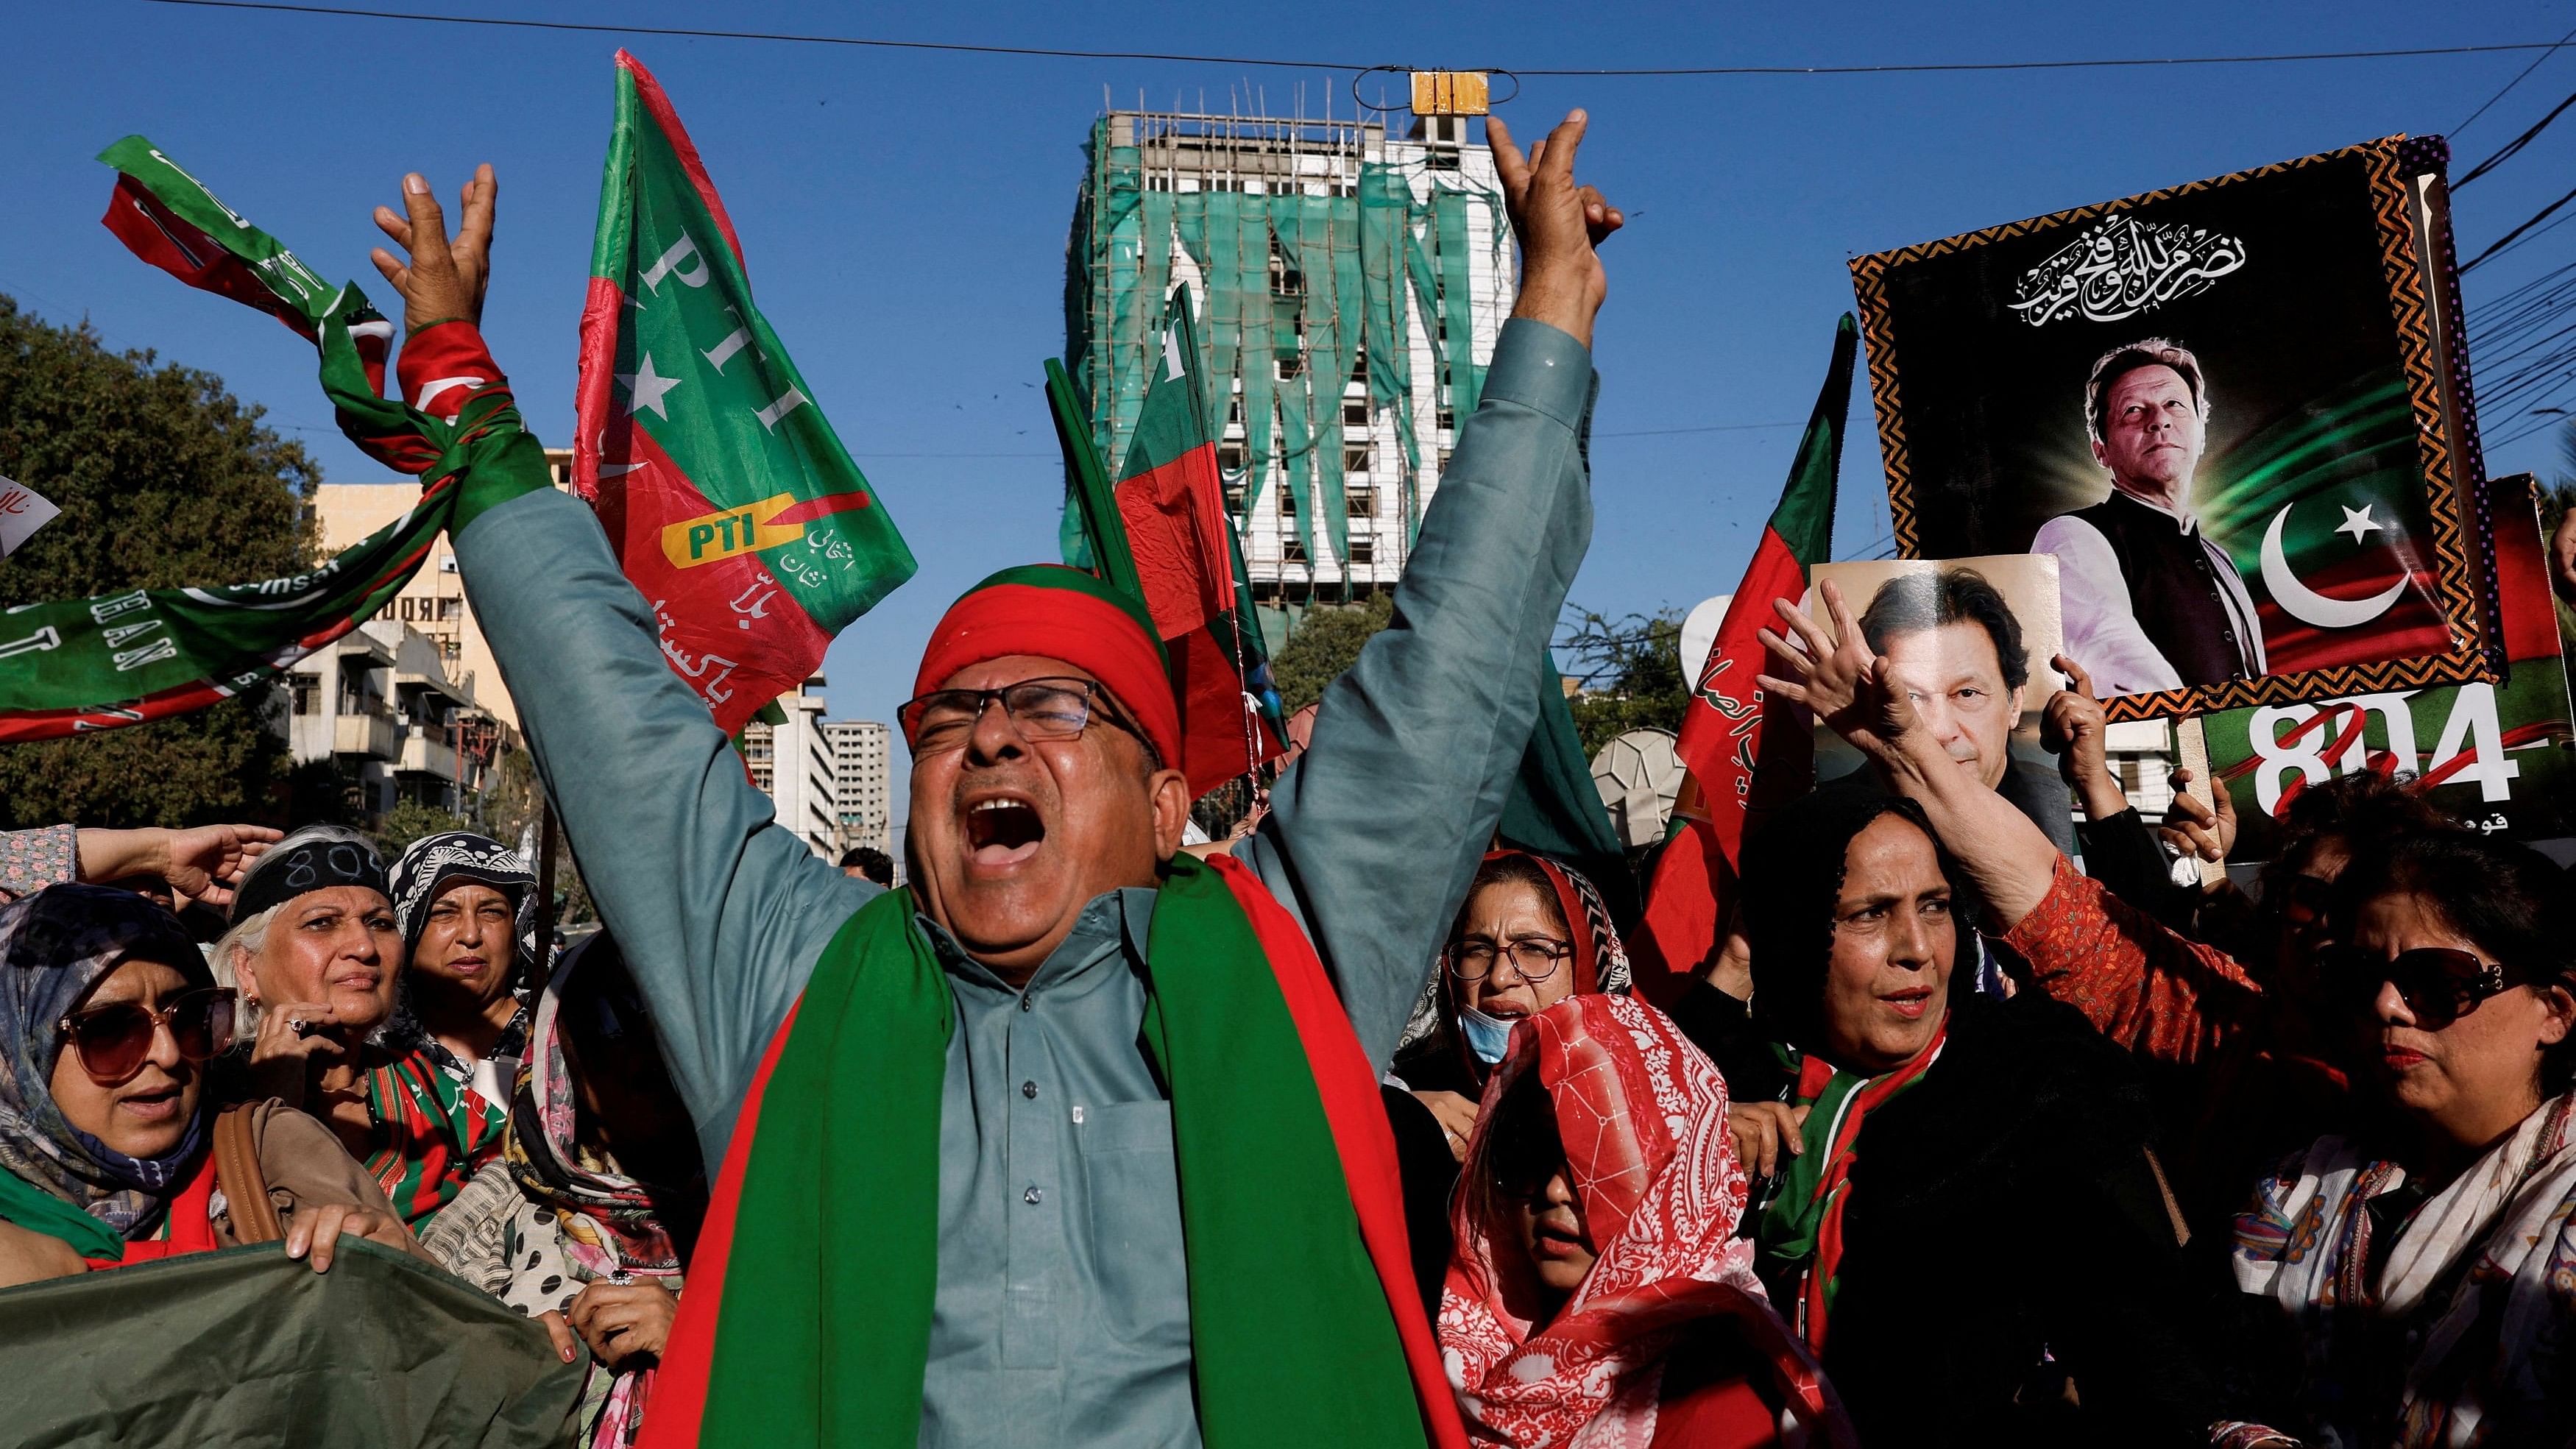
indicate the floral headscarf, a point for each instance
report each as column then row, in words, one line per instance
column 584, row 1220
column 1642, row 1115
column 55, row 947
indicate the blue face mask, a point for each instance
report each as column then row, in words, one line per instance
column 1487, row 1036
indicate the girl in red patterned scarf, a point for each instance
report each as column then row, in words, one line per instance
column 1599, row 1295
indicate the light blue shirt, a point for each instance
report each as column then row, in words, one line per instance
column 1062, row 1312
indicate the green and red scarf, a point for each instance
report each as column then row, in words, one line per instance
column 1802, row 1230
column 434, row 1133
column 1305, row 1323
column 75, row 665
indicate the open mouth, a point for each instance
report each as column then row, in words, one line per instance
column 1910, row 1004
column 159, row 1105
column 1554, row 1242
column 1002, row 831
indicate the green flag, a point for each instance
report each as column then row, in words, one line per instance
column 731, row 503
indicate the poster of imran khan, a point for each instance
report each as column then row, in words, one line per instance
column 2227, row 409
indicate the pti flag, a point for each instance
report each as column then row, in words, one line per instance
column 118, row 659
column 1183, row 558
column 1731, row 731
column 729, row 499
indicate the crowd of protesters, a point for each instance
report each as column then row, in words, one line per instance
column 1358, row 1129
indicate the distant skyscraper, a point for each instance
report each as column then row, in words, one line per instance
column 860, row 777
column 792, row 764
column 1350, row 285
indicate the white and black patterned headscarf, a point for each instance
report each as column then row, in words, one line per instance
column 432, row 865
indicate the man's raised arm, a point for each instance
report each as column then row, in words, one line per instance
column 1373, row 836
column 720, row 913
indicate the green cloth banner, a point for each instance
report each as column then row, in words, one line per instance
column 247, row 1347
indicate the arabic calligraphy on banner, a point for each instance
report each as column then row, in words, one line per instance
column 2122, row 267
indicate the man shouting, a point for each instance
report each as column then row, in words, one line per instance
column 1074, row 1140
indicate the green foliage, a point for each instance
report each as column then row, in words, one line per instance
column 1630, row 673
column 164, row 478
column 410, row 820
column 1323, row 644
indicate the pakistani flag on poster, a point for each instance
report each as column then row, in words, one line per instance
column 731, row 503
column 118, row 659
column 1184, row 557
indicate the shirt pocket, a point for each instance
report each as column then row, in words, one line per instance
column 1132, row 1186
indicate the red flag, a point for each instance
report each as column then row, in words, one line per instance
column 1733, row 739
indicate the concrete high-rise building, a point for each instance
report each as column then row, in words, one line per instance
column 861, row 750
column 434, row 601
column 792, row 765
column 1350, row 286
column 378, row 705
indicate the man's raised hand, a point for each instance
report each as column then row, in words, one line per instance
column 1838, row 679
column 1560, row 225
column 443, row 279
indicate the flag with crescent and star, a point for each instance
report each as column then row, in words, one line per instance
column 729, row 499
column 1741, row 748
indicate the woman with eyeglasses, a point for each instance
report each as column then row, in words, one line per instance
column 2416, row 1272
column 1512, row 953
column 108, row 1145
column 317, row 950
column 1599, row 1293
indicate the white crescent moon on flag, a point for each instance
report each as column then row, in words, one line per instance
column 2307, row 605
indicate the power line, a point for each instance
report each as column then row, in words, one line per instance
column 2509, row 85
column 1050, row 52
column 2505, row 152
column 2507, row 239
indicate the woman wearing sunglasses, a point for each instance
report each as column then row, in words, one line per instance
column 108, row 1017
column 2415, row 1272
column 317, row 951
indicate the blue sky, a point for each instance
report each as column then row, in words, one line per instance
column 904, row 213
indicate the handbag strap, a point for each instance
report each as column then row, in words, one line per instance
column 254, row 1217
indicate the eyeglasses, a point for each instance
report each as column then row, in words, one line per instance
column 112, row 1041
column 2439, row 984
column 1041, row 709
column 1534, row 957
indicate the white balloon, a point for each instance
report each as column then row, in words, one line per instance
column 1699, row 635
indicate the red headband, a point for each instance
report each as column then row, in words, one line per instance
column 1066, row 621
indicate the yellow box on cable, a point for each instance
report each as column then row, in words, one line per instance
column 1449, row 93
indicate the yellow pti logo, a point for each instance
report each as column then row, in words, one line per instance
column 713, row 536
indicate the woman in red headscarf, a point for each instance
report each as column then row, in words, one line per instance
column 1598, row 1295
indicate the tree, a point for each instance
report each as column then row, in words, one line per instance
column 1630, row 671
column 164, row 478
column 1323, row 644
column 411, row 820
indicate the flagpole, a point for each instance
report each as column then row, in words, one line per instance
column 545, row 882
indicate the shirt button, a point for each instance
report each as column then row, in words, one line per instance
column 1031, row 1196
column 1029, row 1090
column 1025, row 1003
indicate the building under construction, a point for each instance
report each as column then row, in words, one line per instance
column 1350, row 286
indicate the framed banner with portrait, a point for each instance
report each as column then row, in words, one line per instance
column 2500, row 756
column 2234, row 412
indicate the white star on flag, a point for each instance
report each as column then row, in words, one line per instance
column 2358, row 522
column 647, row 388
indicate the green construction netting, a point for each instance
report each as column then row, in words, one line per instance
column 1308, row 282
